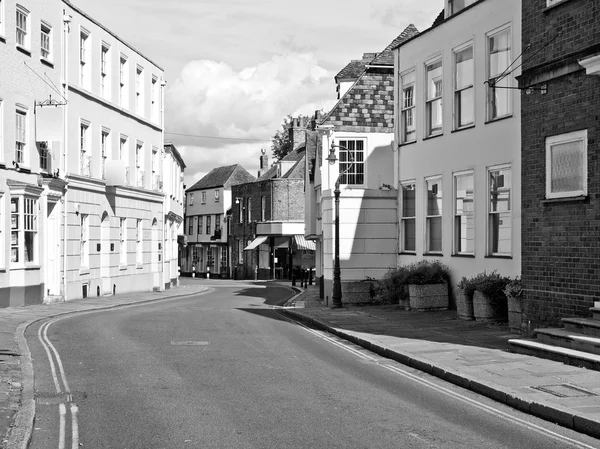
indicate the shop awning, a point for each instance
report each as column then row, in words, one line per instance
column 304, row 244
column 257, row 241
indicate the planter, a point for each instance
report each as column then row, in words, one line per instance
column 428, row 297
column 514, row 314
column 486, row 309
column 464, row 305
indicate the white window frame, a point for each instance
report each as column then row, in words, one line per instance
column 459, row 90
column 46, row 38
column 27, row 217
column 208, row 224
column 240, row 251
column 105, row 148
column 263, row 204
column 154, row 98
column 360, row 159
column 241, row 210
column 191, row 200
column 217, row 195
column 85, row 158
column 430, row 217
column 139, row 243
column 451, row 6
column 84, row 59
column 249, row 210
column 139, row 90
column 123, row 77
column 406, row 219
column 430, row 103
column 408, row 107
column 44, row 155
column 139, row 164
column 203, row 197
column 576, row 136
column 123, row 241
column 457, row 222
column 200, row 224
column 23, row 35
column 84, row 241
column 223, row 263
column 21, row 155
column 105, row 71
column 210, row 259
column 124, row 155
column 491, row 213
column 506, row 80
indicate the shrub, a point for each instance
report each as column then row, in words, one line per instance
column 393, row 287
column 490, row 284
column 514, row 288
column 426, row 272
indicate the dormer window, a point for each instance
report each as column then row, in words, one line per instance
column 455, row 6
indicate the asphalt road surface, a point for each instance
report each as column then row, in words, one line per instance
column 226, row 370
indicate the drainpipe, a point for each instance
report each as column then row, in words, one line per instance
column 66, row 21
column 165, row 199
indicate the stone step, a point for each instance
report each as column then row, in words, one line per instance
column 586, row 326
column 556, row 353
column 595, row 313
column 568, row 339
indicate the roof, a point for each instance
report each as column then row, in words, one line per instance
column 355, row 67
column 439, row 19
column 169, row 146
column 223, row 177
column 294, row 156
column 386, row 57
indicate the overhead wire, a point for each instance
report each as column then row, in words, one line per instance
column 241, row 139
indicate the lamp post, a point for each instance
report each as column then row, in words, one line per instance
column 337, row 283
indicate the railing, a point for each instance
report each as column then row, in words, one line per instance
column 86, row 164
column 140, row 178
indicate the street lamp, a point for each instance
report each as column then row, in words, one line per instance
column 337, row 283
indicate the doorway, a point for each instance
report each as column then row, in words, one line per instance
column 53, row 250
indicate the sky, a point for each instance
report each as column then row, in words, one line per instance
column 236, row 68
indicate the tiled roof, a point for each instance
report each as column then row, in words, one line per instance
column 386, row 57
column 294, row 156
column 223, row 177
column 297, row 171
column 355, row 67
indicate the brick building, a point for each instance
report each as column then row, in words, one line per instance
column 560, row 146
column 267, row 223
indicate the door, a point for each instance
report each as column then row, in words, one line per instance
column 53, row 250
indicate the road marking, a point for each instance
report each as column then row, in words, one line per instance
column 74, row 427
column 58, row 359
column 62, row 410
column 190, row 343
column 481, row 406
column 50, row 359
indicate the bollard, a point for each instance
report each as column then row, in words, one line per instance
column 207, row 272
column 193, row 271
column 256, row 273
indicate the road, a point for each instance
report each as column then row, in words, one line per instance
column 225, row 370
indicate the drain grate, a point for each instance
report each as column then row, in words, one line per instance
column 564, row 391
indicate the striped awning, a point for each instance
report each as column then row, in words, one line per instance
column 304, row 244
column 257, row 241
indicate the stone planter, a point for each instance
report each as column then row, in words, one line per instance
column 428, row 297
column 464, row 305
column 514, row 314
column 485, row 309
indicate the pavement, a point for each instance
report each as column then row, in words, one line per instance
column 470, row 354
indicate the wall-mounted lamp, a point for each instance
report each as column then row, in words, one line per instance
column 331, row 157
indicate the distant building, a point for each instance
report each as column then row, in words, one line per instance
column 206, row 221
column 171, row 183
column 268, row 216
column 560, row 142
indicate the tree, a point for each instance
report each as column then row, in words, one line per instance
column 280, row 142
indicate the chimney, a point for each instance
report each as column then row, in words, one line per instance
column 264, row 162
column 315, row 120
column 297, row 132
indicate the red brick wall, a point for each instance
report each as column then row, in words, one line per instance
column 561, row 240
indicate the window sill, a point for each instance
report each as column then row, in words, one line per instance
column 407, row 253
column 433, row 136
column 139, row 266
column 25, row 267
column 498, row 256
column 499, row 119
column 84, row 271
column 467, row 256
column 24, row 168
column 47, row 62
column 551, row 7
column 463, row 128
column 565, row 199
column 122, row 267
column 433, row 254
column 403, row 144
column 23, row 50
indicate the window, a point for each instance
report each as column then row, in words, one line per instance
column 352, row 150
column 139, row 243
column 195, row 255
column 139, row 90
column 566, row 165
column 217, row 196
column 23, row 237
column 105, row 148
column 464, row 114
column 43, row 151
column 433, row 104
column 223, row 258
column 240, row 245
column 208, row 226
column 498, row 91
column 218, row 219
column 139, row 164
column 457, row 5
column 83, row 58
column 191, row 201
column 200, row 224
column 85, row 158
column 123, row 240
column 84, row 246
column 104, row 71
column 464, row 213
column 22, row 28
column 154, row 98
column 156, row 184
column 123, row 82
column 21, row 136
column 210, row 258
column 46, row 41
column 240, row 203
column 553, row 2
column 124, row 156
column 433, row 220
column 249, row 211
column 203, row 197
column 263, row 204
column 408, row 217
column 500, row 219
column 408, row 107
column 190, row 222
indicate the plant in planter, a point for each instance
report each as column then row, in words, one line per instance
column 427, row 285
column 513, row 292
column 390, row 288
column 464, row 301
column 489, row 301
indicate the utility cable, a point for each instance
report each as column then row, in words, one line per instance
column 218, row 138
